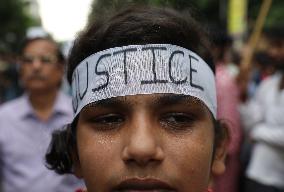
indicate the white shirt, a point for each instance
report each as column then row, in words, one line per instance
column 263, row 118
column 24, row 140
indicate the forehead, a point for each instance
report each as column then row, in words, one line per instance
column 40, row 46
column 151, row 101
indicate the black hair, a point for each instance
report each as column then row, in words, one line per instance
column 262, row 58
column 60, row 154
column 221, row 41
column 135, row 25
column 27, row 41
column 141, row 25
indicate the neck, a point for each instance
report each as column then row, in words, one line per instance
column 42, row 103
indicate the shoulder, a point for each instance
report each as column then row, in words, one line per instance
column 9, row 112
column 10, row 107
column 270, row 82
column 224, row 80
column 267, row 87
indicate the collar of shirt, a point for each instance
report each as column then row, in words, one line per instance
column 61, row 106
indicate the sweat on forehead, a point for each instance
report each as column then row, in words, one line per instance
column 138, row 26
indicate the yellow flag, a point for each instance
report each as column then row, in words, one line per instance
column 237, row 16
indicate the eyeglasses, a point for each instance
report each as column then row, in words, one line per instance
column 44, row 59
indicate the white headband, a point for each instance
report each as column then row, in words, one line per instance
column 143, row 69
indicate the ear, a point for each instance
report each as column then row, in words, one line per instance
column 218, row 164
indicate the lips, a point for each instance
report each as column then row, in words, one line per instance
column 37, row 77
column 143, row 185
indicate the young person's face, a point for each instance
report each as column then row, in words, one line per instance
column 158, row 142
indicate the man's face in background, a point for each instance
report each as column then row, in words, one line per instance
column 276, row 52
column 39, row 66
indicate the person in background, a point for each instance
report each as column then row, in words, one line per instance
column 262, row 117
column 9, row 84
column 262, row 68
column 227, row 102
column 27, row 122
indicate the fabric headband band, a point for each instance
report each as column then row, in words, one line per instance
column 143, row 69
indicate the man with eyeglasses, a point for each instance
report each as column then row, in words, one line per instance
column 26, row 123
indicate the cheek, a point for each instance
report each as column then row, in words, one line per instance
column 24, row 72
column 97, row 155
column 191, row 157
column 57, row 72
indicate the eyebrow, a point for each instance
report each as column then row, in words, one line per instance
column 172, row 99
column 115, row 102
column 158, row 101
column 189, row 102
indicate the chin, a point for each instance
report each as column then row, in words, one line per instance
column 37, row 88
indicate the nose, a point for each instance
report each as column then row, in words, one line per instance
column 143, row 144
column 36, row 64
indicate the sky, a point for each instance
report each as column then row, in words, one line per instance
column 64, row 18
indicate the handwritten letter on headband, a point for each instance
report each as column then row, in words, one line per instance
column 142, row 69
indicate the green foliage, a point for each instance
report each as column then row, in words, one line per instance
column 14, row 21
column 213, row 12
column 106, row 7
column 275, row 15
column 206, row 11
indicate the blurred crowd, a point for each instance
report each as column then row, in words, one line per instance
column 250, row 101
column 30, row 113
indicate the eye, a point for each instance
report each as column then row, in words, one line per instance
column 27, row 59
column 107, row 122
column 109, row 118
column 47, row 59
column 177, row 121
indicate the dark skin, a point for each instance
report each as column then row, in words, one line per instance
column 157, row 142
